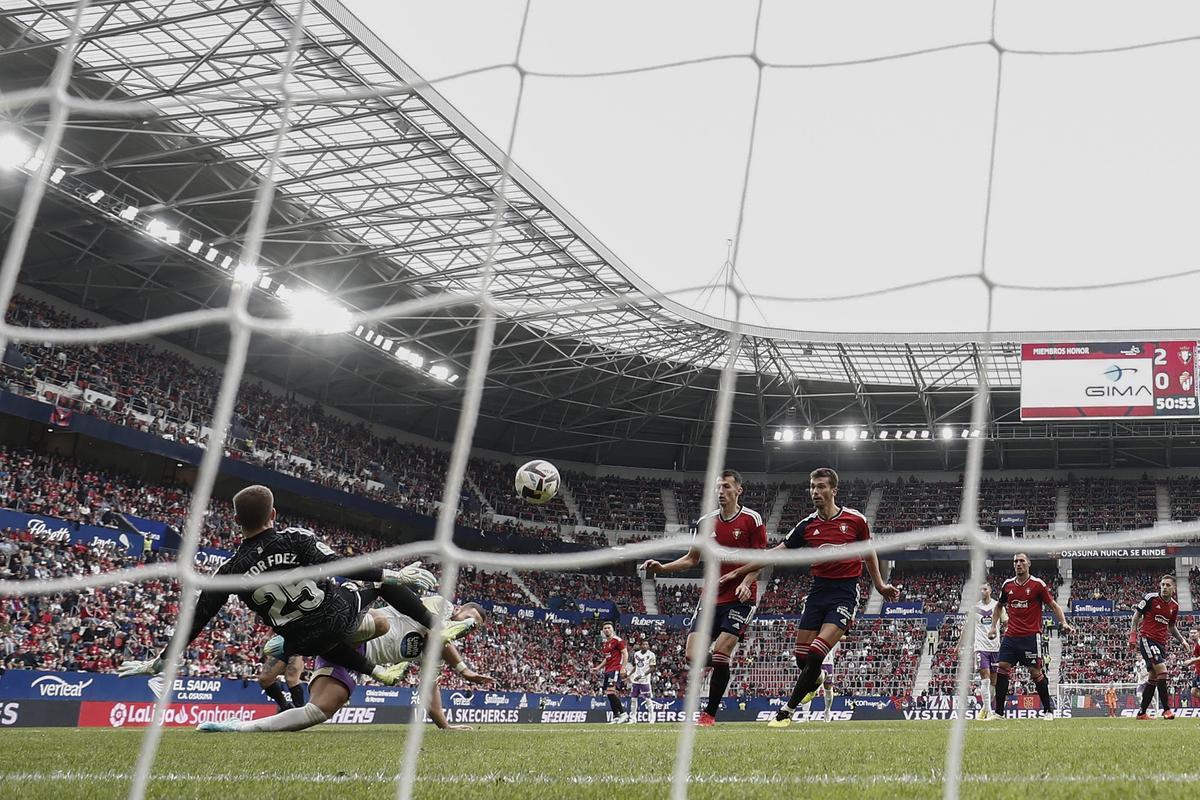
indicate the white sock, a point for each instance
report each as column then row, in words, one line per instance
column 294, row 719
column 633, row 708
column 985, row 692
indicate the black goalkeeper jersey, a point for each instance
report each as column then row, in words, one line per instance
column 312, row 614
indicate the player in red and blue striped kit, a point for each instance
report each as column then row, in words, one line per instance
column 1153, row 624
column 832, row 602
column 734, row 525
column 1023, row 597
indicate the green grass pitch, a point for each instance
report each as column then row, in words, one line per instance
column 1026, row 759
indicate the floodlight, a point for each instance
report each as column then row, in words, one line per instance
column 777, row 436
column 808, row 434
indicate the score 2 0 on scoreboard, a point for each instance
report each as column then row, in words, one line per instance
column 1109, row 380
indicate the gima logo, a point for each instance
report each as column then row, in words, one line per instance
column 1115, row 373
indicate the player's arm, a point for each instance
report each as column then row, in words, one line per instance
column 1174, row 629
column 455, row 661
column 207, row 606
column 681, row 564
column 1001, row 601
column 1059, row 614
column 624, row 659
column 1134, row 622
column 748, row 573
column 888, row 591
column 312, row 550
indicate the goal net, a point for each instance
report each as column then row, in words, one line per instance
column 489, row 294
column 1094, row 699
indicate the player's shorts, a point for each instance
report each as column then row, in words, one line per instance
column 640, row 690
column 1021, row 650
column 986, row 659
column 337, row 618
column 1153, row 653
column 827, row 669
column 327, row 669
column 614, row 680
column 830, row 600
column 731, row 618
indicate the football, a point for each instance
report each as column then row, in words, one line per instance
column 537, row 482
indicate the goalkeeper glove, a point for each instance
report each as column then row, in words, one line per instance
column 131, row 668
column 414, row 576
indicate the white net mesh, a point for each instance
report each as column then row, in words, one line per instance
column 74, row 23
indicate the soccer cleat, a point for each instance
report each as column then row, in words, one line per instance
column 983, row 714
column 615, row 721
column 808, row 698
column 1168, row 715
column 224, row 726
column 1047, row 715
column 274, row 647
column 456, row 630
column 706, row 720
column 1143, row 715
column 781, row 722
column 394, row 673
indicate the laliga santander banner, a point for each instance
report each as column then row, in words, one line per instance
column 1109, row 380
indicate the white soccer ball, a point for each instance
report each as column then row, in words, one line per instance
column 537, row 482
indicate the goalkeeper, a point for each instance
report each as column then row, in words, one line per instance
column 315, row 617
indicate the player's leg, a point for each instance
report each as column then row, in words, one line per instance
column 987, row 680
column 722, row 661
column 829, row 610
column 1152, row 655
column 1041, row 681
column 268, row 679
column 612, row 681
column 291, row 675
column 828, row 668
column 1164, row 698
column 812, row 675
column 635, row 690
column 330, row 690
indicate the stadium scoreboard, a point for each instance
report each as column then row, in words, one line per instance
column 1109, row 380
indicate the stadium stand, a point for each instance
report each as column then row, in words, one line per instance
column 1125, row 587
column 940, row 590
column 612, row 501
column 1110, row 504
column 1185, row 498
column 877, row 657
column 1036, row 497
column 911, row 504
column 555, row 588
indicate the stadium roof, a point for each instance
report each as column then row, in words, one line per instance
column 386, row 193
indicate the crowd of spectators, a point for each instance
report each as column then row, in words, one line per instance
column 939, row 590
column 1185, row 498
column 618, row 503
column 1125, row 587
column 1099, row 651
column 876, row 657
column 1037, row 498
column 563, row 589
column 911, row 504
column 1111, row 504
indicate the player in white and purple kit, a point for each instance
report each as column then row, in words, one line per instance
column 826, row 684
column 644, row 664
column 986, row 649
